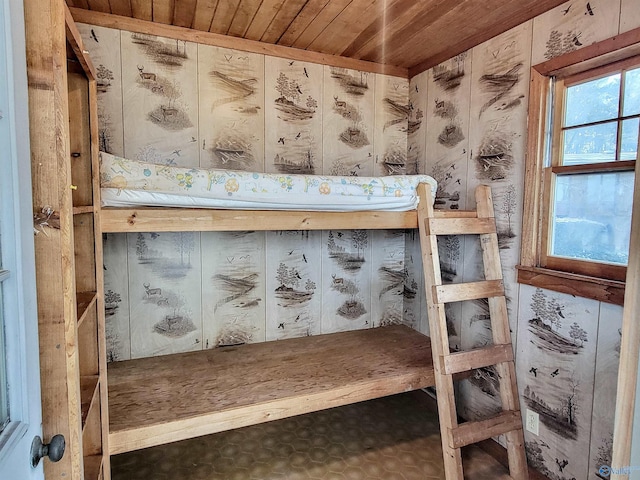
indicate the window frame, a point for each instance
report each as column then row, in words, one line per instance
column 598, row 281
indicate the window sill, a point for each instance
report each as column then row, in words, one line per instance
column 608, row 291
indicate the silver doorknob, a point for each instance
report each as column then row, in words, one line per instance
column 54, row 450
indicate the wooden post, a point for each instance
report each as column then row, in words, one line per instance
column 630, row 346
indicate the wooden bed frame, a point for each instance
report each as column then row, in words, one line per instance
column 157, row 400
column 163, row 399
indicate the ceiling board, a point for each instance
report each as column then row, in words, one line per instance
column 204, row 14
column 142, row 9
column 283, row 19
column 223, row 17
column 409, row 35
column 121, row 7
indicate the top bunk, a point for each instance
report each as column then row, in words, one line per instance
column 142, row 197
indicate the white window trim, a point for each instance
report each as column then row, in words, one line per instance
column 18, row 254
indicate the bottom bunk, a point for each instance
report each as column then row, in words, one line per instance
column 158, row 400
column 390, row 438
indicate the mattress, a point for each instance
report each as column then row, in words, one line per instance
column 125, row 183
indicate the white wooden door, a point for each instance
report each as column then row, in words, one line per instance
column 20, row 409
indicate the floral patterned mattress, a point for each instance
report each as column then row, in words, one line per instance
column 132, row 183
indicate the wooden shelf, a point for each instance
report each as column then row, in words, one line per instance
column 84, row 301
column 93, row 467
column 158, row 400
column 83, row 209
column 88, row 390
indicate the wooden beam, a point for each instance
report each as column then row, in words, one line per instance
column 629, row 348
column 200, row 220
column 75, row 40
column 615, row 48
column 608, row 291
column 207, row 38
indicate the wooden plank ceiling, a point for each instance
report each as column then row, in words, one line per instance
column 412, row 34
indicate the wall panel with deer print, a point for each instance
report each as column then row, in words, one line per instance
column 293, row 116
column 164, row 292
column 160, row 96
column 294, row 290
column 346, row 280
column 348, row 127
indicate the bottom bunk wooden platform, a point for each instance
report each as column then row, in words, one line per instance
column 163, row 399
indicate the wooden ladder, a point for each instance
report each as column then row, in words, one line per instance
column 447, row 364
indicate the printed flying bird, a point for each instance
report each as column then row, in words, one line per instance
column 589, row 9
column 177, row 152
column 298, row 89
column 281, row 326
column 534, row 371
column 290, row 63
column 305, row 72
column 298, row 135
column 304, row 257
column 566, row 10
column 281, row 140
column 576, row 41
column 93, row 35
column 193, row 139
column 555, row 372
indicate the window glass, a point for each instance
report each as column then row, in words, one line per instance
column 631, row 93
column 592, row 216
column 629, row 139
column 593, row 144
column 592, row 101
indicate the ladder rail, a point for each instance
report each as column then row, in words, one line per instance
column 481, row 222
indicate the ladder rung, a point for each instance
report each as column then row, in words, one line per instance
column 474, row 432
column 477, row 358
column 460, row 226
column 459, row 292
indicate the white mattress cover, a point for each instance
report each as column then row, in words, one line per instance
column 127, row 183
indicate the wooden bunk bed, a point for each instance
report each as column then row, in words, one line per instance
column 162, row 399
column 158, row 400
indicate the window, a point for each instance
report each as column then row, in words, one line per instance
column 584, row 119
